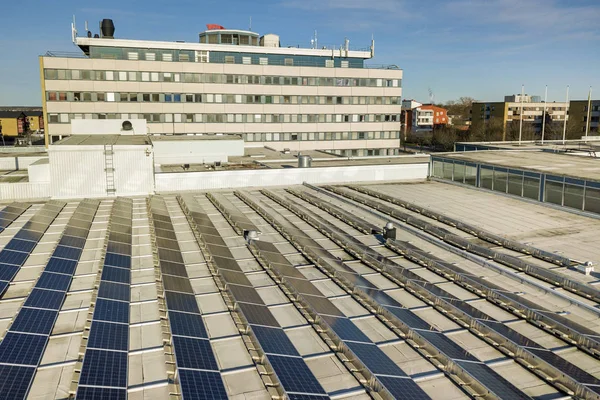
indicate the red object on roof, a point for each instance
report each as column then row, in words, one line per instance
column 214, row 27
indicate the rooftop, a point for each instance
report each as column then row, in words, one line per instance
column 101, row 140
column 162, row 295
column 567, row 164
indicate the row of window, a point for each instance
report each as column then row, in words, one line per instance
column 189, row 77
column 65, row 118
column 219, row 98
column 562, row 191
column 322, row 136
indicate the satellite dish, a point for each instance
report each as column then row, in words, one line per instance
column 127, row 126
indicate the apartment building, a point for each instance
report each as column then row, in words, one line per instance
column 231, row 81
column 530, row 108
column 578, row 113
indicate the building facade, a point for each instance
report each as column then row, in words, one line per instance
column 427, row 117
column 230, row 82
column 578, row 113
column 15, row 121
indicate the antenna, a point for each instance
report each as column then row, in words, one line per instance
column 73, row 30
column 86, row 26
column 250, row 27
column 431, row 95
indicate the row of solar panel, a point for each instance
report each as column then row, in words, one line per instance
column 10, row 213
column 27, row 337
column 105, row 359
column 199, row 375
column 288, row 365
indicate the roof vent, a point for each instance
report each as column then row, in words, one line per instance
column 107, row 28
column 127, row 126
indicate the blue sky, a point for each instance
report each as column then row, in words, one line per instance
column 478, row 48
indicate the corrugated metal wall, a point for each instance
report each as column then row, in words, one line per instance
column 134, row 170
column 77, row 172
column 24, row 191
column 13, row 163
column 172, row 182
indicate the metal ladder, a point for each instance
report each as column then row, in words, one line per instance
column 109, row 168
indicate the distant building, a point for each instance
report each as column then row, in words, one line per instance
column 14, row 121
column 427, row 117
column 578, row 112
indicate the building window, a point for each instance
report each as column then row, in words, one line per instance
column 167, row 57
column 202, row 56
column 229, row 60
column 288, row 62
column 329, row 63
column 263, row 61
column 246, row 60
column 344, row 64
column 150, row 56
column 184, row 57
column 133, row 55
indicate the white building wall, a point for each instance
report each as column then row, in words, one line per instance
column 174, row 182
column 134, row 170
column 196, row 151
column 24, row 191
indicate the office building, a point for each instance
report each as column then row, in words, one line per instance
column 232, row 81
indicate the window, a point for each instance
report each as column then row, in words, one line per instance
column 184, row 57
column 229, row 60
column 132, row 76
column 329, row 63
column 202, row 56
column 51, row 96
column 151, row 56
column 168, row 77
column 154, row 76
column 53, row 118
column 110, row 76
column 246, row 60
column 288, row 62
column 344, row 64
column 133, row 55
column 263, row 61
column 167, row 57
column 87, row 96
column 145, row 76
column 122, row 75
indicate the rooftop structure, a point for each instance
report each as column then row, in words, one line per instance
column 346, row 292
column 232, row 81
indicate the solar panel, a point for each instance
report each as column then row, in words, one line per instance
column 31, row 320
column 20, row 245
column 187, row 325
column 565, row 366
column 258, row 314
column 46, row 299
column 100, row 393
column 300, row 396
column 294, row 375
column 167, row 243
column 104, row 368
column 182, row 302
column 402, row 388
column 119, row 248
column 356, row 280
column 114, row 291
column 226, row 263
column 381, row 297
column 345, row 329
column 511, row 334
column 274, row 340
column 201, row 385
column 22, row 349
column 245, row 294
column 108, row 335
column 175, row 269
column 165, row 234
column 13, row 257
column 115, row 219
column 15, row 381
column 114, row 274
column 112, row 311
column 8, row 272
column 495, row 383
column 446, row 346
column 409, row 318
column 61, row 266
column 119, row 237
column 49, row 280
column 322, row 305
column 3, row 287
column 177, row 284
column 127, row 230
column 468, row 309
column 67, row 253
column 77, row 232
column 374, row 358
column 72, row 241
column 237, row 278
column 26, row 234
column 303, row 286
column 117, row 260
column 165, row 225
column 194, row 353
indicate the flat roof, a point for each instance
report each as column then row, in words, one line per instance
column 568, row 164
column 180, row 299
column 101, row 140
column 174, row 138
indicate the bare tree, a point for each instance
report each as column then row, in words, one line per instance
column 488, row 131
column 527, row 132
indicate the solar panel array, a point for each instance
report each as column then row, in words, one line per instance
column 19, row 248
column 104, row 367
column 290, row 368
column 22, row 348
column 199, row 375
column 412, row 324
column 10, row 213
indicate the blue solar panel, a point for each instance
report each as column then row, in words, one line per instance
column 409, row 318
column 274, row 340
column 194, row 353
column 346, row 329
column 114, row 274
column 107, row 335
column 61, row 266
column 499, row 386
column 15, row 381
column 20, row 245
column 187, row 325
column 294, row 375
column 13, row 257
column 446, row 345
column 375, row 359
column 100, row 393
column 3, row 287
column 26, row 234
column 182, row 302
column 22, row 348
column 49, row 280
column 201, row 385
column 67, row 253
column 34, row 321
column 8, row 272
column 402, row 388
column 72, row 241
column 115, row 291
column 117, row 260
column 47, row 299
column 381, row 297
column 112, row 311
column 104, row 368
column 511, row 334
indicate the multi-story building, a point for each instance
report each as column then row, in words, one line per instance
column 515, row 107
column 426, row 117
column 232, row 81
column 15, row 121
column 578, row 113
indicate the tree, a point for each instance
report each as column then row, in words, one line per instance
column 527, row 131
column 459, row 109
column 489, row 131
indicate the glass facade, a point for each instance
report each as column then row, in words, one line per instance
column 559, row 190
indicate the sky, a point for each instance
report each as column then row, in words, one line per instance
column 483, row 49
